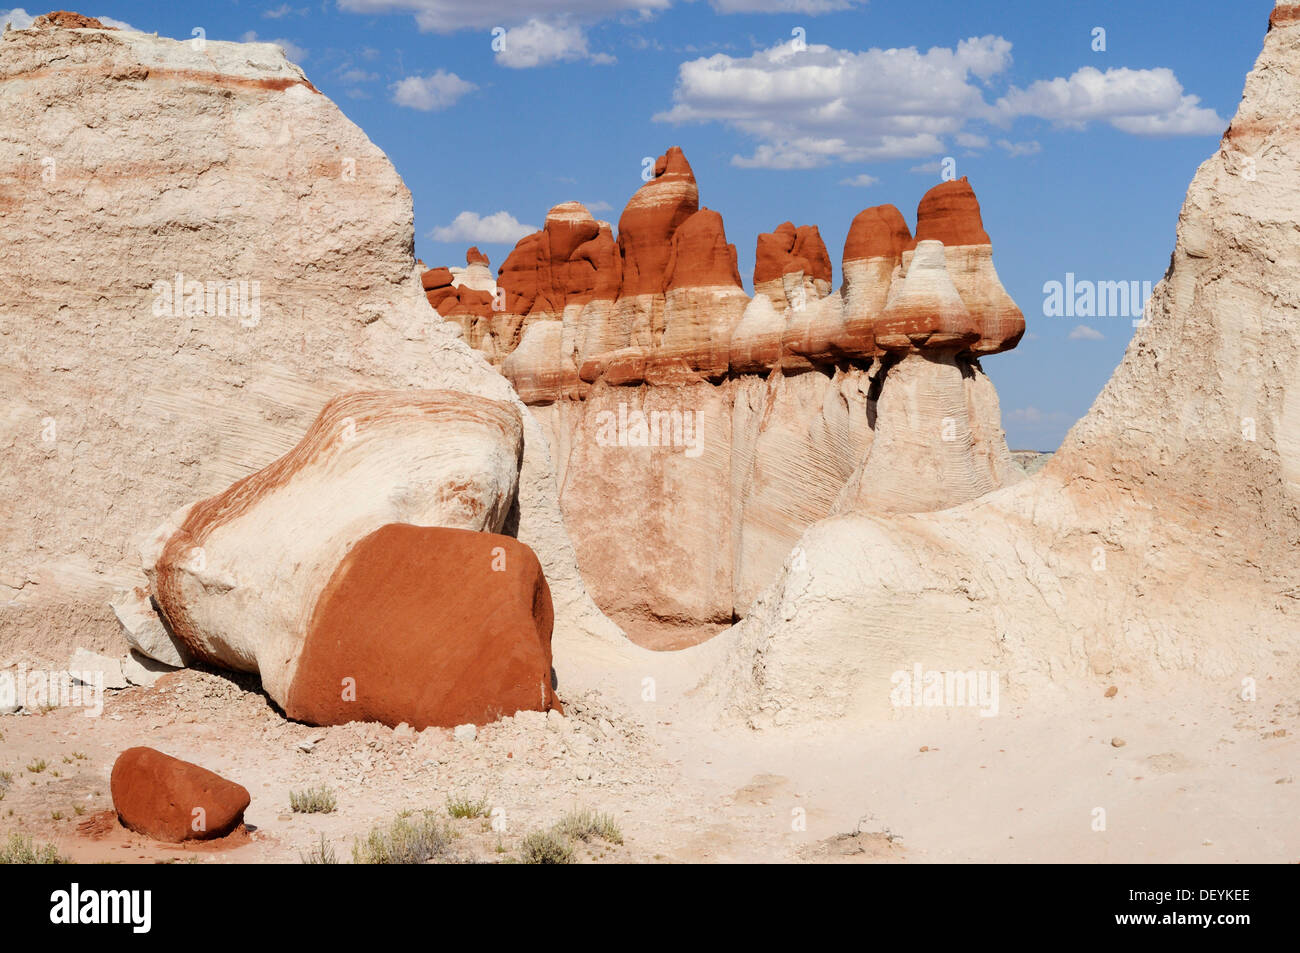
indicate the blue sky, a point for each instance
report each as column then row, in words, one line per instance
column 801, row 110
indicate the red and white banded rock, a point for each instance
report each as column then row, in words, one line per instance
column 703, row 299
column 924, row 310
column 788, row 258
column 570, row 266
column 660, row 318
column 214, row 167
column 950, row 213
column 236, row 576
column 873, row 254
column 645, row 235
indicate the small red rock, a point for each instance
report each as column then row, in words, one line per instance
column 173, row 800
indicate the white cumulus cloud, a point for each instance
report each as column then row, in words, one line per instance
column 429, row 93
column 18, row 18
column 1138, row 101
column 537, row 43
column 812, row 106
column 1013, row 149
column 1082, row 332
column 500, row 228
column 862, row 180
column 449, row 16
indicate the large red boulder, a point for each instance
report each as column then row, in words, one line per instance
column 436, row 278
column 430, row 626
column 173, row 800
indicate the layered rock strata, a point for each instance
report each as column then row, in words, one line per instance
column 200, row 252
column 683, row 412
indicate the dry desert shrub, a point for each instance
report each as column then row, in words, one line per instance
column 313, row 801
column 461, row 806
column 585, row 824
column 410, row 839
column 22, row 850
column 322, row 853
column 545, row 847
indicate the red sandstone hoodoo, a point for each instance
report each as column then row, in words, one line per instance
column 811, row 403
column 581, row 305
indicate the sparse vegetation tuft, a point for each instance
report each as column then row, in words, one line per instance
column 22, row 850
column 313, row 801
column 410, row 839
column 322, row 853
column 545, row 847
column 466, row 807
column 585, row 825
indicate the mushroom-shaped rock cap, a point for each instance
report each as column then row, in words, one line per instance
column 877, row 232
column 568, row 225
column 950, row 213
column 924, row 309
column 652, row 215
column 701, row 257
column 786, row 250
column 475, row 257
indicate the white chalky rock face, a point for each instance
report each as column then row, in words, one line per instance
column 475, row 276
column 936, row 443
column 238, row 575
column 1165, row 533
column 131, row 165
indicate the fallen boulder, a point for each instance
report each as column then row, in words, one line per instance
column 173, row 800
column 237, row 575
column 430, row 626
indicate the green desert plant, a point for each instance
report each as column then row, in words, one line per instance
column 36, row 767
column 313, row 801
column 585, row 825
column 410, row 839
column 461, row 806
column 22, row 850
column 545, row 847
